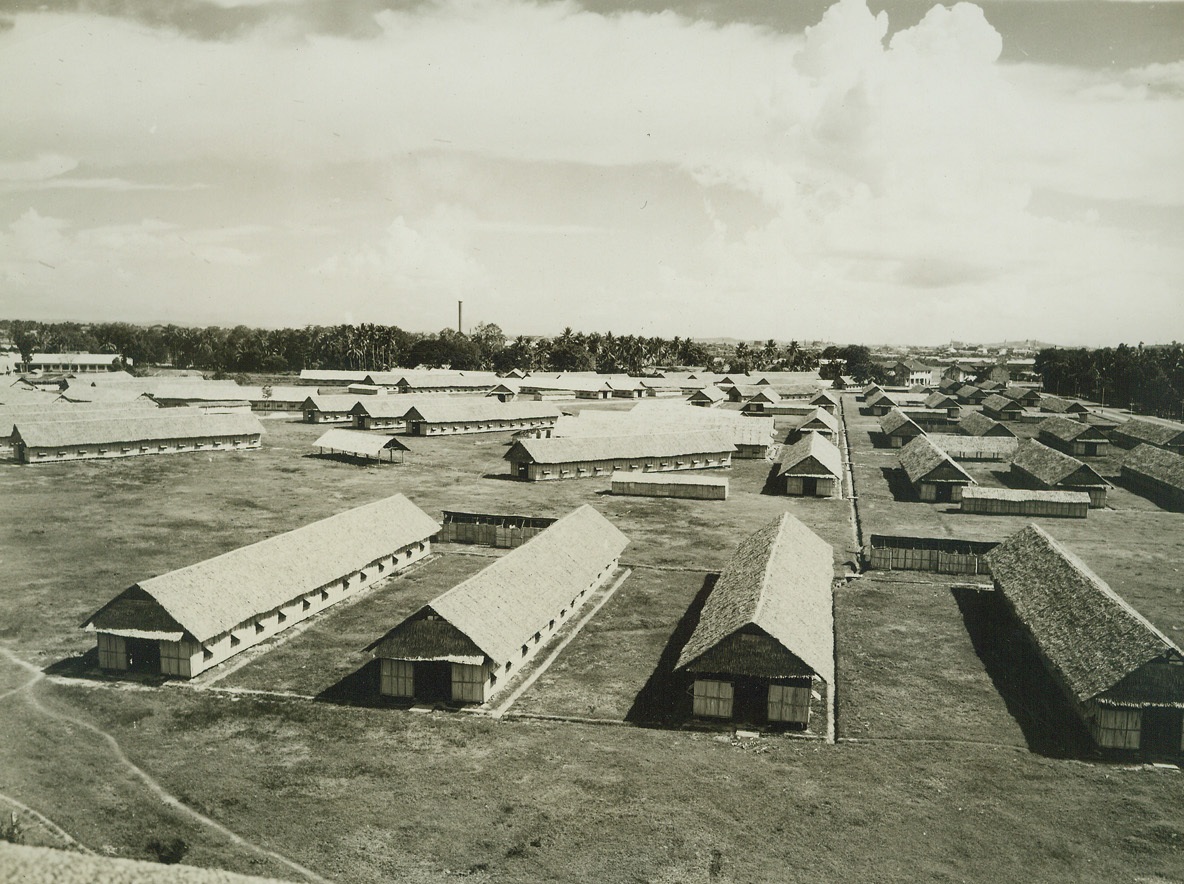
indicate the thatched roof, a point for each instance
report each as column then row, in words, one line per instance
column 1153, row 433
column 46, row 865
column 869, row 389
column 1057, row 405
column 394, row 405
column 500, row 608
column 358, row 442
column 997, row 402
column 819, row 419
column 332, row 376
column 981, row 493
column 812, row 455
column 668, row 416
column 1024, row 395
column 896, row 422
column 210, row 597
column 975, row 423
column 333, row 402
column 938, row 399
column 968, row 391
column 779, row 580
column 273, row 393
column 572, row 449
column 711, row 394
column 1092, row 638
column 1052, row 467
column 921, row 457
column 1156, row 463
column 10, row 416
column 958, row 446
column 470, row 409
column 190, row 390
column 1068, row 430
column 156, row 425
column 880, row 398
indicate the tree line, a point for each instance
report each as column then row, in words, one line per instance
column 1149, row 380
column 366, row 347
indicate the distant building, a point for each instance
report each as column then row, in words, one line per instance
column 600, row 456
column 935, row 476
column 1138, row 432
column 1038, row 466
column 813, row 467
column 72, row 362
column 1072, row 437
column 1157, row 474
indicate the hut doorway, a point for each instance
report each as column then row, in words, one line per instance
column 522, row 470
column 1161, row 731
column 143, row 655
column 809, row 487
column 751, row 702
column 942, row 493
column 433, row 681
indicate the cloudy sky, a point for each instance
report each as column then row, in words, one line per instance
column 884, row 172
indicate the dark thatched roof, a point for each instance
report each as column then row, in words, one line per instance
column 938, row 399
column 922, row 456
column 780, row 581
column 1150, row 432
column 1052, row 467
column 474, row 409
column 1057, row 405
column 997, row 403
column 969, row 447
column 1158, row 464
column 1066, row 429
column 1093, row 639
column 975, row 423
column 879, row 398
column 752, row 652
column 427, row 637
column 897, row 423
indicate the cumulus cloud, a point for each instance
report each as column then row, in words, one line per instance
column 860, row 167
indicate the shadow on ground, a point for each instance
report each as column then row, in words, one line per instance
column 1046, row 719
column 898, row 484
column 664, row 701
column 86, row 666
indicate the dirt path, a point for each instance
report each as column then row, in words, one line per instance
column 49, row 824
column 154, row 787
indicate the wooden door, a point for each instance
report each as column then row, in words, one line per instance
column 1161, row 735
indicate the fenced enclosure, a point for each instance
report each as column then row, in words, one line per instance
column 941, row 555
column 488, row 529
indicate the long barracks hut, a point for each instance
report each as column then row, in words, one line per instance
column 480, row 414
column 580, row 457
column 765, row 636
column 1072, row 437
column 1038, row 466
column 1138, row 432
column 1157, row 474
column 812, row 467
column 159, row 431
column 332, row 408
column 1123, row 676
column 1001, row 408
column 464, row 646
column 936, row 477
column 183, row 622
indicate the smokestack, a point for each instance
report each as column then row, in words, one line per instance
column 459, row 306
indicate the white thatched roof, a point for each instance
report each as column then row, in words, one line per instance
column 332, row 403
column 697, row 477
column 138, row 426
column 453, row 409
column 780, row 580
column 501, row 607
column 598, row 448
column 1052, row 467
column 820, row 418
column 922, row 456
column 977, row 492
column 670, row 416
column 358, row 442
column 210, row 597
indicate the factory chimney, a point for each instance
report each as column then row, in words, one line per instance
column 459, row 327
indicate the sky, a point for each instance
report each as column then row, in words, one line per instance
column 875, row 172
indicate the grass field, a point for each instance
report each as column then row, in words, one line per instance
column 951, row 769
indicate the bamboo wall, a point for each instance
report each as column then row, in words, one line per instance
column 604, row 468
column 940, row 555
column 824, row 488
column 488, row 534
column 1034, row 507
column 673, row 489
